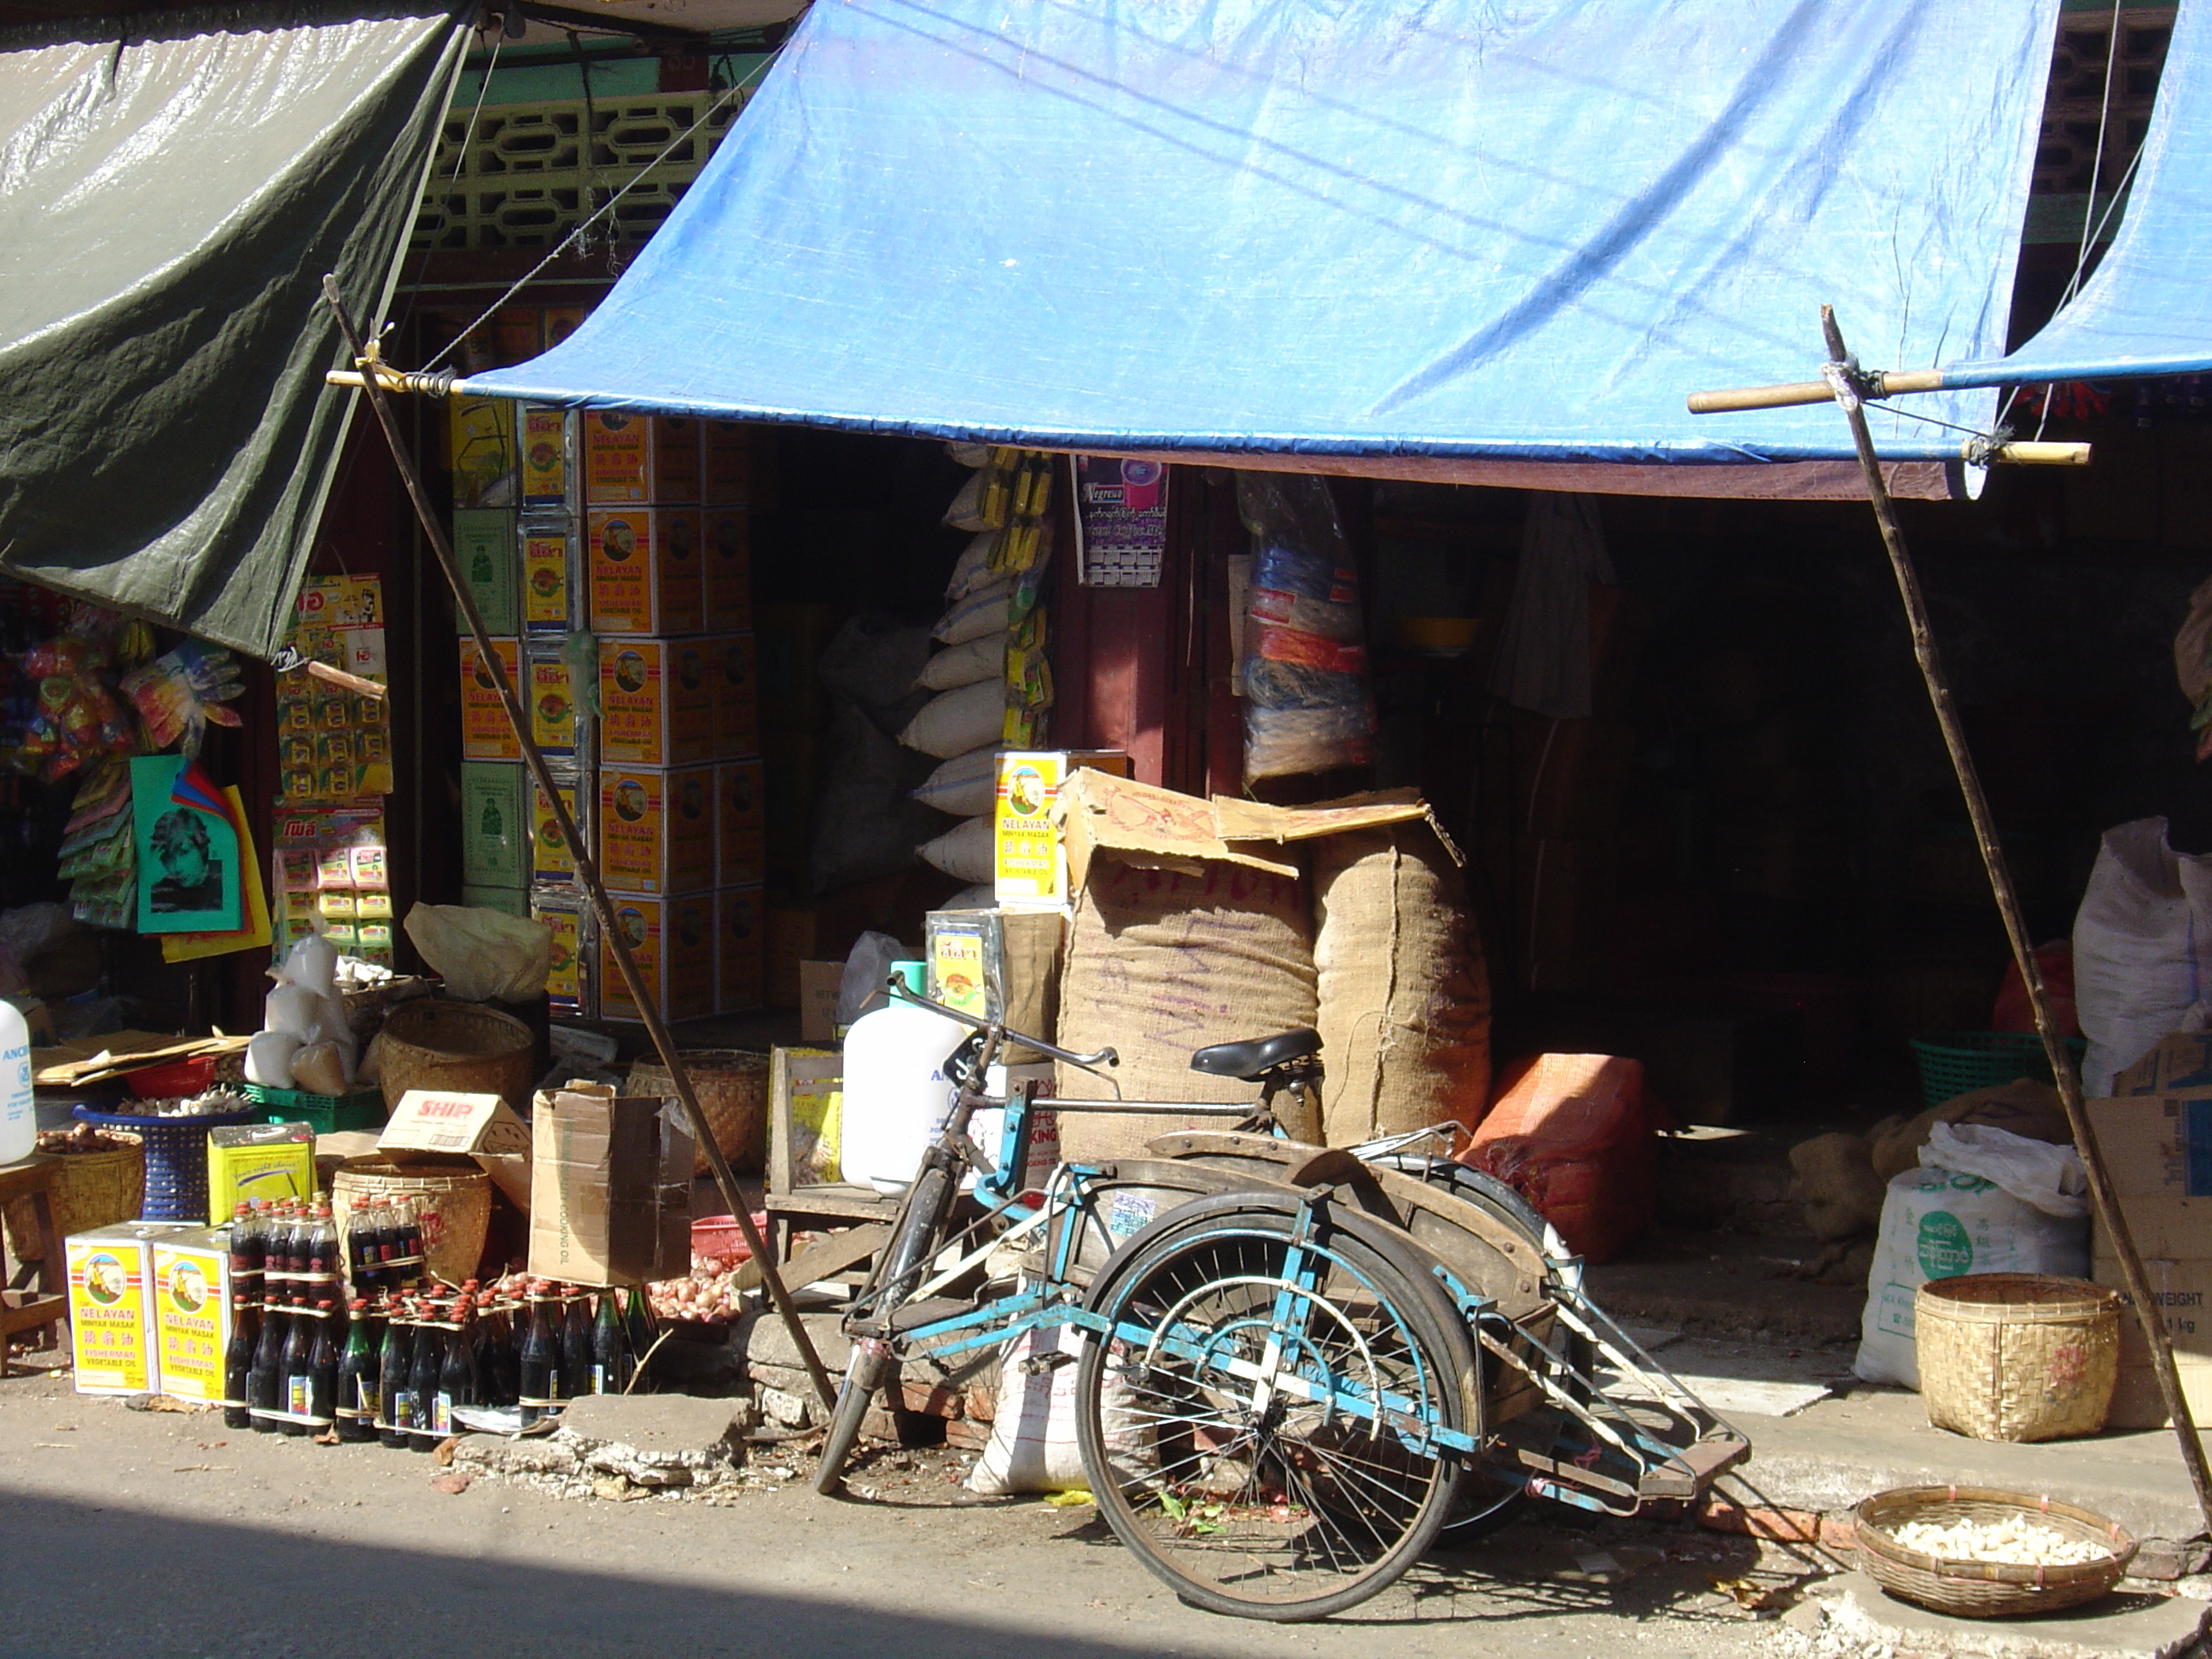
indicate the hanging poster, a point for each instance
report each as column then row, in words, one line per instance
column 188, row 851
column 254, row 933
column 1121, row 522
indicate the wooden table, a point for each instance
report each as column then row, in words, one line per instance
column 47, row 1306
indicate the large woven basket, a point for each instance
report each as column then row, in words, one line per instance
column 459, row 1048
column 732, row 1085
column 456, row 1207
column 90, row 1189
column 2017, row 1356
column 1986, row 1589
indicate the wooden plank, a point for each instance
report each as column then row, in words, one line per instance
column 825, row 1256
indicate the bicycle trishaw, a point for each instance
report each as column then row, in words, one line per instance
column 1300, row 1363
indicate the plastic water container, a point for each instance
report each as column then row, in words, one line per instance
column 19, row 1116
column 897, row 1089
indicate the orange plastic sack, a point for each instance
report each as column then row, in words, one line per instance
column 1577, row 1136
column 2014, row 1013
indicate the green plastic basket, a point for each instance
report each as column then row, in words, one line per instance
column 328, row 1113
column 1954, row 1063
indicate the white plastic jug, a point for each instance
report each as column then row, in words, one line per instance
column 896, row 1091
column 19, row 1117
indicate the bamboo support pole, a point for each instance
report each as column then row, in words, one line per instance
column 374, row 382
column 1842, row 379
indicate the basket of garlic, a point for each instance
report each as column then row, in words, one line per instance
column 1983, row 1554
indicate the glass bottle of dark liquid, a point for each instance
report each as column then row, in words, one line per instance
column 422, row 1378
column 384, row 1242
column 575, row 1341
column 357, row 1376
column 637, row 1324
column 457, row 1374
column 238, row 1363
column 507, row 1330
column 323, row 1368
column 407, row 1232
column 297, row 1387
column 538, row 1381
column 245, row 1247
column 265, row 1382
column 393, row 1372
column 610, row 1356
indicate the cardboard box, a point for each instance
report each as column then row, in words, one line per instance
column 550, row 697
column 819, row 984
column 258, row 1160
column 2183, row 1289
column 484, row 548
column 657, row 828
column 486, row 733
column 547, row 463
column 792, row 937
column 740, row 949
column 656, row 702
column 737, row 696
column 2158, row 1151
column 610, row 1178
column 740, row 823
column 645, row 569
column 1031, row 861
column 495, row 823
column 480, row 451
column 672, row 941
column 640, row 460
column 2179, row 1065
column 111, row 1302
column 728, row 464
column 549, row 849
column 191, row 1311
column 729, row 567
column 2136, row 1403
column 571, row 982
column 552, row 577
column 507, row 900
column 429, row 1125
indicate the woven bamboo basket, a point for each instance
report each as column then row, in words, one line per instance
column 732, row 1085
column 456, row 1207
column 460, row 1048
column 90, row 1189
column 1986, row 1589
column 2017, row 1356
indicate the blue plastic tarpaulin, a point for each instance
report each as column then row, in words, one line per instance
column 1349, row 236
column 2148, row 308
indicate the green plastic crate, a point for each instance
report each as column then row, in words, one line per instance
column 1954, row 1063
column 330, row 1114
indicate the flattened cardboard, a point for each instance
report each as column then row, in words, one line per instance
column 431, row 1124
column 612, row 1187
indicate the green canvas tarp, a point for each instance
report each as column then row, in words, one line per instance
column 173, row 187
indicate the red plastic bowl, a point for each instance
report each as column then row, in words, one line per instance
column 718, row 1235
column 172, row 1077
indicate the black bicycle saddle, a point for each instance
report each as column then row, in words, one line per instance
column 1255, row 1057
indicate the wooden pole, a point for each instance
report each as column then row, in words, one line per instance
column 587, row 869
column 1841, row 375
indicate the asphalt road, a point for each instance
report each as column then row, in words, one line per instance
column 156, row 1535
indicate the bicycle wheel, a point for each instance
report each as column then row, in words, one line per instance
column 899, row 1269
column 1231, row 1446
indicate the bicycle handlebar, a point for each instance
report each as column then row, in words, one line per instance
column 897, row 988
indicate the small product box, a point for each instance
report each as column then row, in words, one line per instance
column 486, row 733
column 428, row 1125
column 729, row 568
column 549, row 850
column 507, row 900
column 484, row 548
column 258, row 1160
column 550, row 698
column 640, row 460
column 191, row 1311
column 657, row 828
column 645, row 568
column 736, row 695
column 495, row 823
column 111, row 1306
column 571, row 981
column 480, row 451
column 740, row 823
column 740, row 949
column 552, row 573
column 728, row 466
column 672, row 941
column 656, row 702
column 547, row 465
column 1029, row 858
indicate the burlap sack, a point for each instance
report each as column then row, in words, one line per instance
column 1833, row 1178
column 2023, row 1106
column 1160, row 963
column 1404, row 991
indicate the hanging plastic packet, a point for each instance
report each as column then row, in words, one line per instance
column 1309, row 702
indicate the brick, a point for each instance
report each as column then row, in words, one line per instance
column 1718, row 1514
column 931, row 1401
column 964, row 1435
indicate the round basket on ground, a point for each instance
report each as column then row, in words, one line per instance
column 91, row 1189
column 455, row 1203
column 2017, row 1356
column 1986, row 1590
column 176, row 1157
column 457, row 1048
column 1954, row 1063
column 731, row 1086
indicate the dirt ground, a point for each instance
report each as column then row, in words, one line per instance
column 155, row 1535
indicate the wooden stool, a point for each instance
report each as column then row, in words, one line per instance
column 48, row 1305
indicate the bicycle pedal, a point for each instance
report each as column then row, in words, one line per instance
column 1043, row 1364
